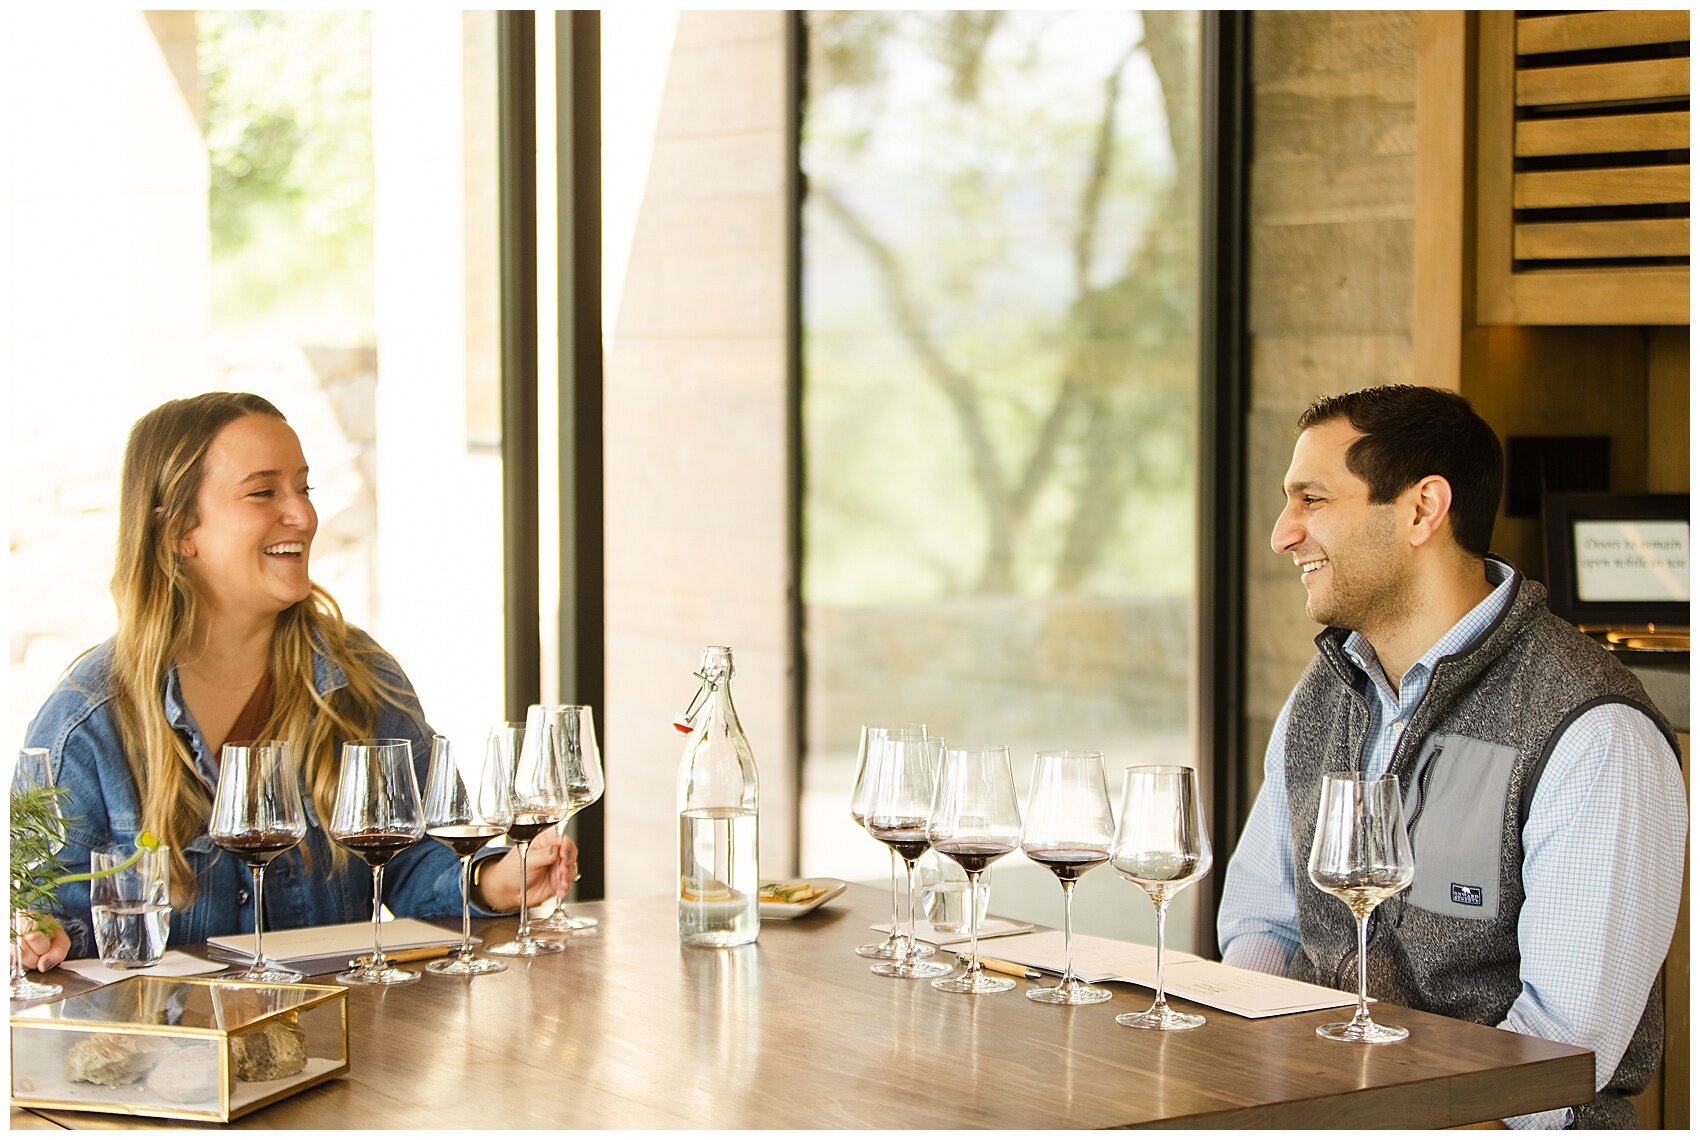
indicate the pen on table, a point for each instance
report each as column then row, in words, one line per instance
column 998, row 965
column 418, row 955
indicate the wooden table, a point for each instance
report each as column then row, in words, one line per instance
column 629, row 1029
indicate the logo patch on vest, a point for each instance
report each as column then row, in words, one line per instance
column 1465, row 895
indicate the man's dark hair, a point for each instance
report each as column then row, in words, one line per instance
column 1410, row 433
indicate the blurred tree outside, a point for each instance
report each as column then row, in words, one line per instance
column 1000, row 303
column 288, row 125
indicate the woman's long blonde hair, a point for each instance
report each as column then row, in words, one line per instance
column 158, row 612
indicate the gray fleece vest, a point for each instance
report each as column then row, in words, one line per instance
column 1468, row 762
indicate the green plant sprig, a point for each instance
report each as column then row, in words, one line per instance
column 37, row 833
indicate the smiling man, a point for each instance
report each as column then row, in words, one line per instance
column 1547, row 808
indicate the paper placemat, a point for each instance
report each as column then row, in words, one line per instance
column 318, row 949
column 172, row 964
column 991, row 928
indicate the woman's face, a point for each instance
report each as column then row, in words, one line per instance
column 248, row 554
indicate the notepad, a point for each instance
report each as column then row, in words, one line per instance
column 320, row 949
column 1247, row 993
column 172, row 964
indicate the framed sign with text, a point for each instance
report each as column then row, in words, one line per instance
column 1617, row 560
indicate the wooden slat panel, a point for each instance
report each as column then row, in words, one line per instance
column 1584, row 30
column 1603, row 82
column 1603, row 134
column 1607, row 186
column 1633, row 296
column 1658, row 237
column 1496, row 59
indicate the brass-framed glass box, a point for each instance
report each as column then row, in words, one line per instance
column 184, row 1048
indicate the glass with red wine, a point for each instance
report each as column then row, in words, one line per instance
column 257, row 816
column 902, row 775
column 463, row 815
column 378, row 815
column 1068, row 830
column 973, row 820
column 539, row 795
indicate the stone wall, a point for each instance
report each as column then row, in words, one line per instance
column 1334, row 139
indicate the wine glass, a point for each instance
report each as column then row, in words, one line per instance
column 257, row 816
column 1361, row 855
column 34, row 775
column 903, row 773
column 1161, row 845
column 573, row 732
column 464, row 817
column 377, row 816
column 974, row 820
column 1068, row 829
column 537, row 797
column 873, row 736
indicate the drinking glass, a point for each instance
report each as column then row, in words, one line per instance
column 573, row 732
column 377, row 816
column 257, row 816
column 873, row 737
column 537, row 799
column 34, row 773
column 1161, row 845
column 1361, row 855
column 903, row 773
column 464, row 817
column 974, row 821
column 1068, row 829
column 130, row 902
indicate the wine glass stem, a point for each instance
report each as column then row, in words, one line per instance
column 377, row 906
column 524, row 931
column 1068, row 933
column 1162, row 913
column 893, row 855
column 1362, row 1014
column 909, row 948
column 259, row 874
column 974, row 924
column 466, row 906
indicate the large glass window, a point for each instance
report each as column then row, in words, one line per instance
column 299, row 204
column 1000, row 282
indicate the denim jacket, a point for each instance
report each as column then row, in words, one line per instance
column 78, row 726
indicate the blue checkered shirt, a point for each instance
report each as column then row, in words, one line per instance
column 1595, row 927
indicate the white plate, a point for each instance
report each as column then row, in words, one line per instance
column 831, row 888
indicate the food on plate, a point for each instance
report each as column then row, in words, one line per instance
column 791, row 891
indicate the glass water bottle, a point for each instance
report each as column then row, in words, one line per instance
column 719, row 882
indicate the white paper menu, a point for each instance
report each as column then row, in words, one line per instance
column 1243, row 992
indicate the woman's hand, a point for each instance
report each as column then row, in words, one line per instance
column 38, row 951
column 551, row 867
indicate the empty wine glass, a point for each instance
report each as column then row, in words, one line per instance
column 1067, row 829
column 377, row 816
column 464, row 815
column 34, row 774
column 1161, row 845
column 257, row 816
column 573, row 730
column 873, row 736
column 537, row 795
column 974, row 820
column 1361, row 855
column 904, row 771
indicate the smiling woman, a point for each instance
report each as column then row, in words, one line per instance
column 223, row 635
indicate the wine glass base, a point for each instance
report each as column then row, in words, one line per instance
column 1160, row 1019
column 562, row 921
column 268, row 972
column 910, row 969
column 1362, row 1033
column 465, row 967
column 25, row 990
column 892, row 949
column 1070, row 992
column 526, row 948
column 367, row 976
column 972, row 984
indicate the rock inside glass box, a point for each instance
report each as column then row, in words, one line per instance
column 183, row 1048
